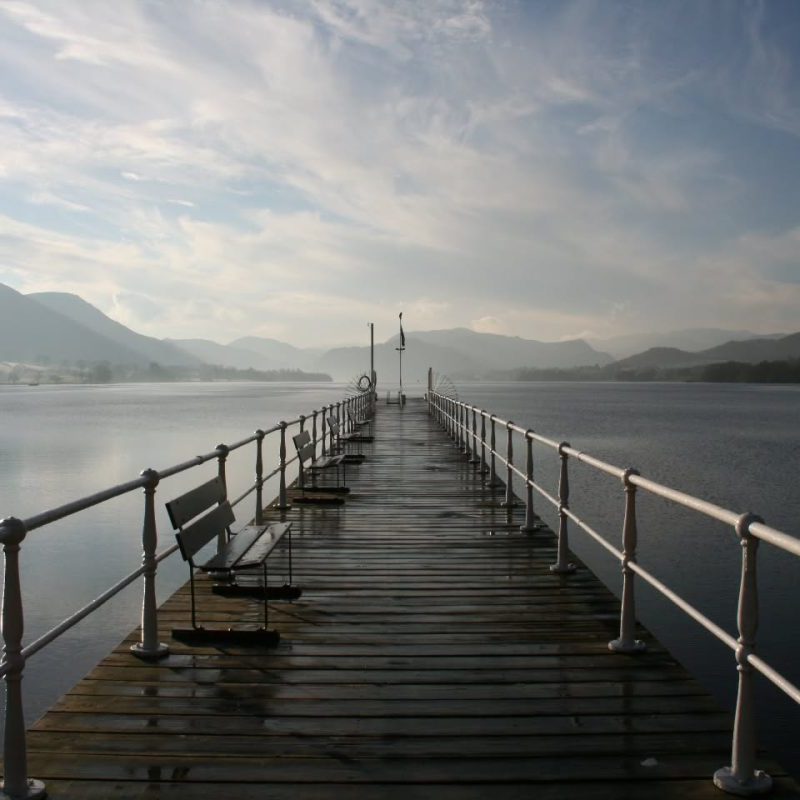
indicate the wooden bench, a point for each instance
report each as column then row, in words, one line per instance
column 357, row 423
column 340, row 440
column 313, row 465
column 204, row 514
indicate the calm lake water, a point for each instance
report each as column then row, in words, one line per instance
column 736, row 445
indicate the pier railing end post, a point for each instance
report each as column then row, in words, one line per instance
column 627, row 641
column 530, row 525
column 563, row 566
column 15, row 783
column 149, row 648
column 283, row 502
column 741, row 777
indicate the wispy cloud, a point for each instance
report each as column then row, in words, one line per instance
column 530, row 168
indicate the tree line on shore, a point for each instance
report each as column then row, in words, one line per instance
column 82, row 372
column 786, row 371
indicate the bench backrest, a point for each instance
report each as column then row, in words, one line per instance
column 182, row 510
column 306, row 449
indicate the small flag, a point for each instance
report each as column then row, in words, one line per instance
column 402, row 335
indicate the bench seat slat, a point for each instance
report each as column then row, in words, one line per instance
column 235, row 549
column 325, row 462
column 200, row 533
column 248, row 548
column 265, row 544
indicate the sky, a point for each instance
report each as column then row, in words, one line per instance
column 538, row 168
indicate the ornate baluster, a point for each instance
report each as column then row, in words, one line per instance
column 562, row 565
column 493, row 480
column 742, row 777
column 449, row 410
column 627, row 641
column 149, row 647
column 16, row 782
column 483, row 468
column 509, row 499
column 530, row 523
column 475, row 460
column 259, row 517
column 222, row 455
column 283, row 502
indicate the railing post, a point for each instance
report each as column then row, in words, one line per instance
column 627, row 641
column 509, row 499
column 283, row 503
column 324, row 431
column 222, row 455
column 742, row 777
column 530, row 523
column 483, row 468
column 339, row 426
column 465, row 420
column 493, row 481
column 16, row 783
column 562, row 565
column 447, row 411
column 331, row 434
column 475, row 459
column 259, row 516
column 149, row 647
column 314, row 431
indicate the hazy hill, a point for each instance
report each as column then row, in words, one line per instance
column 30, row 331
column 250, row 351
column 283, row 354
column 223, row 355
column 146, row 348
column 507, row 352
column 458, row 353
column 751, row 351
column 692, row 340
column 350, row 362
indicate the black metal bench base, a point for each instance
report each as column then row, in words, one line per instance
column 285, row 592
column 319, row 500
column 200, row 636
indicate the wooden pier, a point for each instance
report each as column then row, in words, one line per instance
column 432, row 655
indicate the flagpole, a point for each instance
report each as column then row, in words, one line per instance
column 400, row 353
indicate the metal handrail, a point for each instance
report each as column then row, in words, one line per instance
column 16, row 782
column 454, row 416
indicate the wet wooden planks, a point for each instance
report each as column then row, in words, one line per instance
column 432, row 654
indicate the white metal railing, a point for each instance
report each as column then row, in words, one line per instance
column 16, row 783
column 459, row 420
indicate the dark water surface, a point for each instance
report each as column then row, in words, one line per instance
column 736, row 445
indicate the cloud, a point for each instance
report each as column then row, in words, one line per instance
column 529, row 167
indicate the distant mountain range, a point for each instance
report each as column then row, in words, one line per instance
column 750, row 351
column 251, row 351
column 54, row 327
column 691, row 339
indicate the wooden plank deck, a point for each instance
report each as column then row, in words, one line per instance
column 432, row 654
